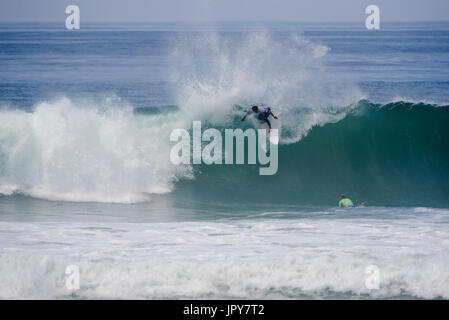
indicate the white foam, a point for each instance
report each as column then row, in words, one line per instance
column 87, row 151
column 241, row 259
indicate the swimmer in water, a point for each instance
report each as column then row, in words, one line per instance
column 345, row 202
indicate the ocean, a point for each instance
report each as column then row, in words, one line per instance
column 86, row 181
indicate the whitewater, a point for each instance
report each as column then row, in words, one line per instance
column 86, row 178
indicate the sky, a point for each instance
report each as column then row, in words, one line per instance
column 223, row 10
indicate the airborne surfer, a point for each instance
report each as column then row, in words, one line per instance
column 263, row 114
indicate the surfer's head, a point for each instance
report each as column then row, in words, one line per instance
column 342, row 196
column 255, row 109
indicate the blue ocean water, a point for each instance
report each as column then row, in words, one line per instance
column 85, row 175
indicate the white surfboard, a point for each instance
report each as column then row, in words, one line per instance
column 274, row 136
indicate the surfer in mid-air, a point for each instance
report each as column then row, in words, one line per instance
column 262, row 114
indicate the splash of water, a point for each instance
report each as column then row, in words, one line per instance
column 86, row 152
column 215, row 73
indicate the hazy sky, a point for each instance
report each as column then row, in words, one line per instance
column 223, row 10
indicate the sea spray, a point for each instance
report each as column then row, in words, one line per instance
column 214, row 73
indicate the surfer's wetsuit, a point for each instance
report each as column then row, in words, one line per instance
column 263, row 114
column 346, row 203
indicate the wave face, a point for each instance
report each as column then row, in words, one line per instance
column 394, row 154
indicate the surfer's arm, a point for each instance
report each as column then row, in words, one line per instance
column 246, row 114
column 271, row 113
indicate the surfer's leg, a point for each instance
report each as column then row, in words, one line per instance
column 268, row 122
column 269, row 126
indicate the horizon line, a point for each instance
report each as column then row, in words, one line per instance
column 230, row 21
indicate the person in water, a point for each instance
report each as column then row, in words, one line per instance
column 262, row 114
column 345, row 202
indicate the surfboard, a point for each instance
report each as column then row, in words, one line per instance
column 274, row 136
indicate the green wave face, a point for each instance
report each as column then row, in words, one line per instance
column 394, row 154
